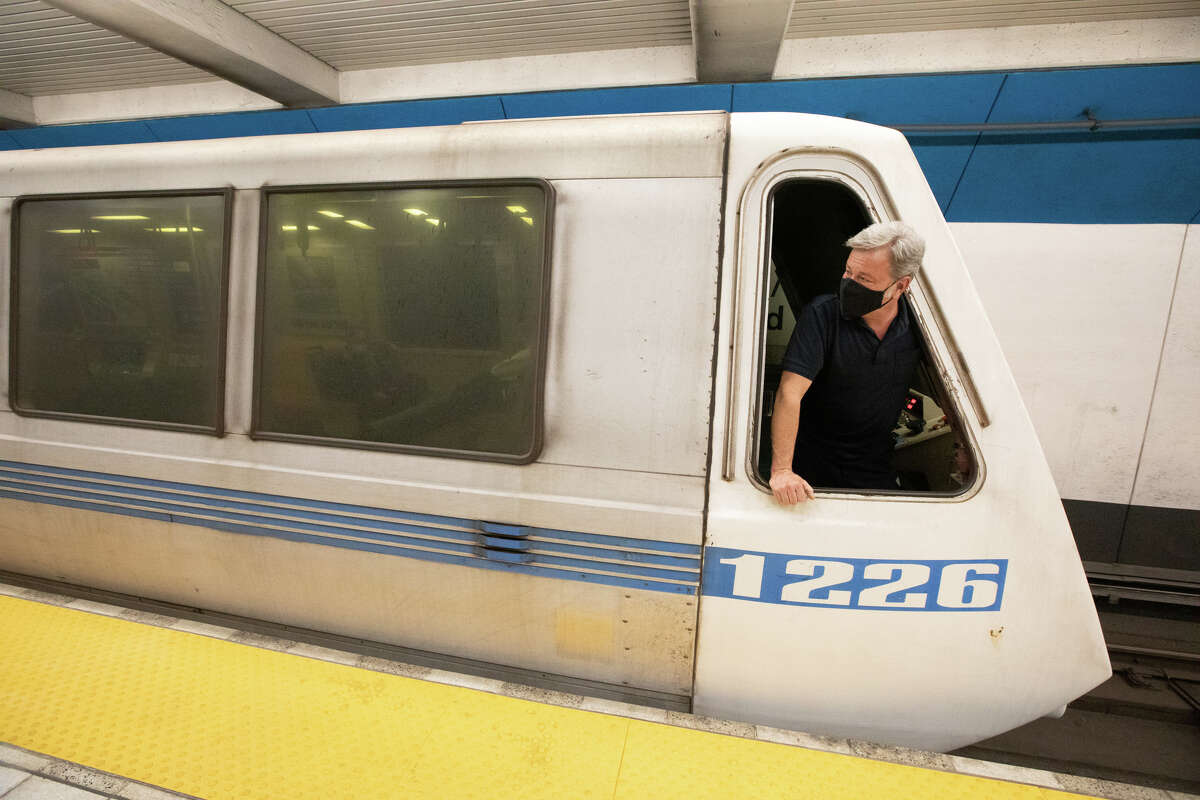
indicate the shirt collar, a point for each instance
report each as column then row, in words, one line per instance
column 899, row 325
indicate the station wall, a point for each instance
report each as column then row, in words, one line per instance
column 1083, row 244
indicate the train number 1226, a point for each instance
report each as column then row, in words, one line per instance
column 896, row 585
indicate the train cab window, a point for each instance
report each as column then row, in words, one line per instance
column 405, row 318
column 119, row 307
column 810, row 221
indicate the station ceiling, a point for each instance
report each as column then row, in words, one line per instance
column 294, row 52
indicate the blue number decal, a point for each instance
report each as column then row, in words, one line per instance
column 859, row 583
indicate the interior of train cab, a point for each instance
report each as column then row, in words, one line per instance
column 811, row 220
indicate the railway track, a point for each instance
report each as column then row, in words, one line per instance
column 1142, row 725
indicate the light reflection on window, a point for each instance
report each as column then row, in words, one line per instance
column 119, row 308
column 404, row 317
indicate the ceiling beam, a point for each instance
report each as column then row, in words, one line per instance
column 738, row 40
column 214, row 37
column 16, row 110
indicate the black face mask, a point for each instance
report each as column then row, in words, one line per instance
column 858, row 300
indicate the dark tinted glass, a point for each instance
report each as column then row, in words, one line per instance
column 404, row 317
column 119, row 308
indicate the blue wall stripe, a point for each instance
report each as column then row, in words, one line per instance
column 943, row 158
column 221, row 126
column 406, row 114
column 945, row 200
column 1141, row 92
column 1117, row 177
column 920, row 99
column 997, row 187
column 630, row 100
column 7, row 142
column 82, row 135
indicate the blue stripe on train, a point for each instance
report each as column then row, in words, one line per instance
column 421, row 555
column 350, row 509
column 357, row 525
column 213, row 506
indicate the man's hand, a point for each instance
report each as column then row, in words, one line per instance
column 789, row 488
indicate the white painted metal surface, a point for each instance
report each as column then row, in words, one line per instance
column 928, row 679
column 666, row 146
column 631, row 309
column 633, row 301
column 1074, row 324
column 1169, row 471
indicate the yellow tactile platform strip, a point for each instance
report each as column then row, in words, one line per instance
column 217, row 719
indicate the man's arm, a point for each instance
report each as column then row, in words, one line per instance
column 788, row 487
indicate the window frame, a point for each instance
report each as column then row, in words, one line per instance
column 549, row 202
column 218, row 428
column 920, row 295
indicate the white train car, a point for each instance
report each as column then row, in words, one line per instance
column 500, row 392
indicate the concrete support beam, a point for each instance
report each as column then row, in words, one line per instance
column 16, row 110
column 643, row 66
column 211, row 35
column 738, row 40
column 1061, row 45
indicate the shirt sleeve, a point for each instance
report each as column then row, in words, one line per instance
column 806, row 350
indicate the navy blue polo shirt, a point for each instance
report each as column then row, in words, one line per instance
column 859, row 385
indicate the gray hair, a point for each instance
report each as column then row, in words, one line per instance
column 907, row 246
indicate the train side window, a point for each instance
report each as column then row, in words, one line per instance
column 810, row 221
column 119, row 308
column 408, row 318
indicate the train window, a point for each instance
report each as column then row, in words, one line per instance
column 405, row 317
column 810, row 221
column 119, row 306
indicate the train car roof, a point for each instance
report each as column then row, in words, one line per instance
column 673, row 145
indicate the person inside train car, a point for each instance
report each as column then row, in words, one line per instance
column 846, row 372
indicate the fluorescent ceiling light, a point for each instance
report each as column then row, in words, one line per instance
column 333, row 214
column 74, row 230
column 358, row 223
column 120, row 216
column 518, row 209
column 528, row 221
column 434, row 221
column 416, row 212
